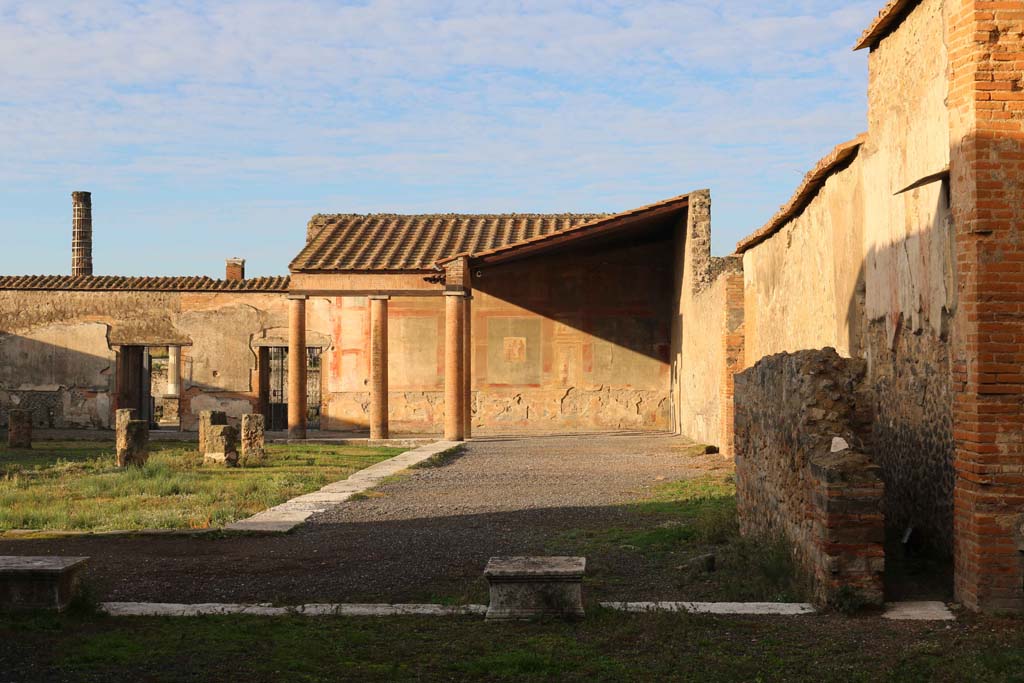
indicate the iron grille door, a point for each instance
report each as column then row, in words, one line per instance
column 277, row 400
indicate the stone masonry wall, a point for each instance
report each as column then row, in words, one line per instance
column 802, row 471
column 707, row 330
column 912, row 432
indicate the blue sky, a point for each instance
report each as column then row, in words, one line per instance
column 213, row 129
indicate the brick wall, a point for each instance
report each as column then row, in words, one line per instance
column 733, row 341
column 795, row 481
column 986, row 100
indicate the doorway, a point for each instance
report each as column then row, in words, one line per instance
column 133, row 381
column 273, row 390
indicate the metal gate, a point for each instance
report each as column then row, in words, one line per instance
column 277, row 397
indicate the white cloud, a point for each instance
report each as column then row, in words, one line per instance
column 418, row 104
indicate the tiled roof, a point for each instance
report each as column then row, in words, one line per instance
column 350, row 242
column 887, row 19
column 812, row 183
column 595, row 225
column 113, row 283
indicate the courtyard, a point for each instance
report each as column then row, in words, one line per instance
column 646, row 510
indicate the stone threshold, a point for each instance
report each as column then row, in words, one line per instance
column 286, row 516
column 166, row 609
column 356, row 441
column 896, row 611
column 918, row 611
column 778, row 609
column 922, row 610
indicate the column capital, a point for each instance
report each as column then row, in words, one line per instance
column 379, row 297
column 297, row 297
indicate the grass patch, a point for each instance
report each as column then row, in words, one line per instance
column 75, row 486
column 679, row 523
column 441, row 459
column 606, row 646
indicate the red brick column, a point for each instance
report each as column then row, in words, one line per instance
column 297, row 367
column 733, row 340
column 467, row 367
column 986, row 101
column 454, row 358
column 379, row 367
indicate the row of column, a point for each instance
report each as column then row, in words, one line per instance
column 457, row 366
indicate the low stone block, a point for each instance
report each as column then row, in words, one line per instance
column 533, row 587
column 39, row 582
column 222, row 441
column 132, row 443
column 19, row 428
column 121, row 419
column 207, row 420
column 253, row 446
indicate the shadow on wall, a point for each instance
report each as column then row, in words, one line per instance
column 62, row 385
column 67, row 377
column 908, row 352
column 620, row 294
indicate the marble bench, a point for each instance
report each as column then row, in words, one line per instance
column 39, row 582
column 532, row 587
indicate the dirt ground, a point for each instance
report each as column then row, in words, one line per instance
column 421, row 537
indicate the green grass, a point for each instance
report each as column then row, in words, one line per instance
column 605, row 646
column 681, row 521
column 75, row 486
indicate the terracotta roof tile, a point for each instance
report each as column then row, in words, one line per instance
column 885, row 22
column 595, row 224
column 115, row 283
column 354, row 242
column 812, row 183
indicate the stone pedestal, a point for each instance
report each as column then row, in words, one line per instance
column 19, row 428
column 253, row 451
column 132, row 443
column 532, row 587
column 207, row 420
column 39, row 582
column 222, row 443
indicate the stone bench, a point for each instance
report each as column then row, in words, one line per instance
column 532, row 587
column 39, row 582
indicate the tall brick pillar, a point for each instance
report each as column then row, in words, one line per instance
column 454, row 361
column 81, row 233
column 297, row 367
column 467, row 368
column 734, row 344
column 379, row 367
column 986, row 102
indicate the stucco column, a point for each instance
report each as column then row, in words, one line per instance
column 454, row 358
column 379, row 367
column 173, row 372
column 296, row 367
column 467, row 369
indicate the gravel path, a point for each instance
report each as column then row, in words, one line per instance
column 421, row 537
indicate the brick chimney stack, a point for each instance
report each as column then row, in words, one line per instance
column 81, row 233
column 235, row 269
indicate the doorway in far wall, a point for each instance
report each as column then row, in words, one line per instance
column 273, row 389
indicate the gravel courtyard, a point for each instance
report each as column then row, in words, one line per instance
column 424, row 536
